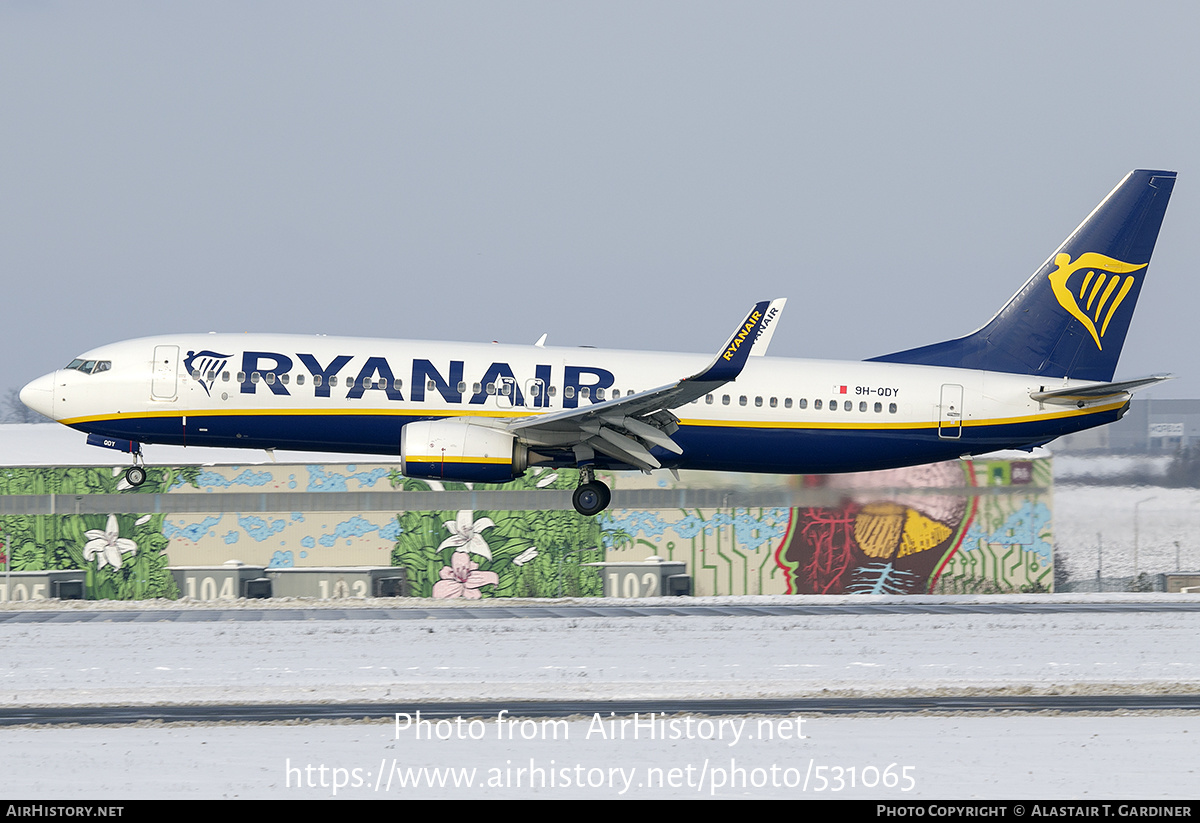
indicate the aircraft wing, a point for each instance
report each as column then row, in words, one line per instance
column 627, row 428
column 1097, row 392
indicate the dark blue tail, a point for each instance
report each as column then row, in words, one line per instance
column 1071, row 318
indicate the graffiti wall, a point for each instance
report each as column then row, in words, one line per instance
column 942, row 528
column 957, row 527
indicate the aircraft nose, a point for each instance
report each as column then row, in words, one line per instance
column 39, row 395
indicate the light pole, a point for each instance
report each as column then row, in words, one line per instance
column 1135, row 533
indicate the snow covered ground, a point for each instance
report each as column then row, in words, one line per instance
column 1100, row 527
column 902, row 757
column 666, row 658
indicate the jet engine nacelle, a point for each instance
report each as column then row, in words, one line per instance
column 460, row 450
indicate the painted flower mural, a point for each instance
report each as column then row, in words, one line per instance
column 124, row 555
column 465, row 534
column 462, row 578
column 107, row 546
column 501, row 544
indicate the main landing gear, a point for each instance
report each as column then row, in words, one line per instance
column 592, row 496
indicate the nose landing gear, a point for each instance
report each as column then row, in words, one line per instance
column 135, row 475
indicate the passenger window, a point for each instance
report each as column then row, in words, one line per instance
column 708, row 399
column 299, row 380
column 431, row 386
column 195, row 374
column 491, row 388
column 724, row 400
column 462, row 386
column 569, row 391
column 816, row 404
column 891, row 408
column 506, row 389
column 585, row 392
column 774, row 402
column 241, row 377
column 878, row 408
column 476, row 389
column 255, row 377
column 283, row 378
column 847, row 405
column 599, row 394
column 270, row 378
column 333, row 380
column 316, row 380
column 862, row 406
column 758, row 402
column 833, row 405
column 742, row 400
column 553, row 391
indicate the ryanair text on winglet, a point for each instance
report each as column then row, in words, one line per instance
column 736, row 343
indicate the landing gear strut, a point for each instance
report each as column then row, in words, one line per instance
column 592, row 496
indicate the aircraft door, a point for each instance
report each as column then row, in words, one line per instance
column 163, row 382
column 508, row 396
column 950, row 416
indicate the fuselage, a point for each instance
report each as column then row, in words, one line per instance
column 353, row 395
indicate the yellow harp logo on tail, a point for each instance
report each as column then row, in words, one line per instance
column 1102, row 277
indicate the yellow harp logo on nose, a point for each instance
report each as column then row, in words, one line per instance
column 1101, row 277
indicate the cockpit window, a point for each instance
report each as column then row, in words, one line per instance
column 90, row 366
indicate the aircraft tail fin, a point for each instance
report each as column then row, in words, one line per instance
column 1070, row 319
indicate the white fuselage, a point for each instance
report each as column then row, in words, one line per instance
column 354, row 394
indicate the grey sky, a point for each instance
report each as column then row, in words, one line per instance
column 631, row 175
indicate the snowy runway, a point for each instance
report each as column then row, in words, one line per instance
column 663, row 658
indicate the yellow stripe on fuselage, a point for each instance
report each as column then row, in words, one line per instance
column 298, row 413
column 513, row 414
column 832, row 424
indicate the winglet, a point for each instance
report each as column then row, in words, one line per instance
column 767, row 331
column 732, row 359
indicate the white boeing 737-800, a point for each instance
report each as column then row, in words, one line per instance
column 1041, row 368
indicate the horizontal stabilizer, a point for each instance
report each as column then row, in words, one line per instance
column 1082, row 396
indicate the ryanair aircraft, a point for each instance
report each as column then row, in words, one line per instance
column 1041, row 368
